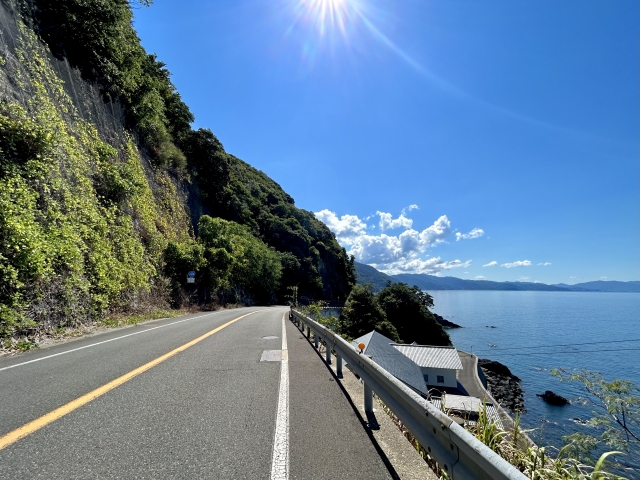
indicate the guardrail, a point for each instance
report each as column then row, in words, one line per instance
column 461, row 455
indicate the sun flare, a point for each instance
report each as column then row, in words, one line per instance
column 329, row 15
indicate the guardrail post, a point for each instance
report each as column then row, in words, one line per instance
column 315, row 339
column 328, row 354
column 308, row 331
column 368, row 399
column 338, row 365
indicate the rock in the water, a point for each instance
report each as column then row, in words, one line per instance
column 444, row 322
column 553, row 398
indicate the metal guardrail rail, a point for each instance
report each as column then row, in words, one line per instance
column 461, row 455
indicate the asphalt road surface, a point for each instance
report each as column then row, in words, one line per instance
column 221, row 395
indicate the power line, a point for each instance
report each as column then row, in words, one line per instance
column 572, row 344
column 493, row 352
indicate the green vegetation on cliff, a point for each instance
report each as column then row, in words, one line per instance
column 107, row 195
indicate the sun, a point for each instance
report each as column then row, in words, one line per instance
column 329, row 15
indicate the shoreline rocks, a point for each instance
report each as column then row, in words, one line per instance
column 444, row 322
column 504, row 385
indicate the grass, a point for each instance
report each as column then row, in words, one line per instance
column 13, row 345
column 536, row 462
column 18, row 345
column 113, row 322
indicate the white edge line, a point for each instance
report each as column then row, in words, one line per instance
column 280, row 459
column 105, row 341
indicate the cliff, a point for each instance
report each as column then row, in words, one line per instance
column 103, row 183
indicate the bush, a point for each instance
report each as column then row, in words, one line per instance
column 406, row 308
column 362, row 313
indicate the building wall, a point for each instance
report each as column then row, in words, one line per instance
column 449, row 375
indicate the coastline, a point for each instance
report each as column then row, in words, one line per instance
column 529, row 326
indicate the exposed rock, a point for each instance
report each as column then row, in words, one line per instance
column 553, row 398
column 445, row 323
column 503, row 385
column 496, row 367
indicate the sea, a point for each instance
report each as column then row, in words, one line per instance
column 535, row 332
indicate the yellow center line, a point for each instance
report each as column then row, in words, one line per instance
column 54, row 415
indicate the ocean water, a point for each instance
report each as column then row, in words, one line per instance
column 538, row 331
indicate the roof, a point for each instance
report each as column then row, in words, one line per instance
column 431, row 357
column 467, row 406
column 463, row 403
column 379, row 348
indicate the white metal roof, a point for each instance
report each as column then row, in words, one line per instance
column 467, row 405
column 431, row 357
column 380, row 349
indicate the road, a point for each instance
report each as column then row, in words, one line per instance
column 468, row 376
column 187, row 397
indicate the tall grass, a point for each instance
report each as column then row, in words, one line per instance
column 536, row 462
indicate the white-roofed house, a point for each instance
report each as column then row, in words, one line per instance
column 439, row 365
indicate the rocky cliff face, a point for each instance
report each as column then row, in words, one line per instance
column 504, row 385
column 84, row 218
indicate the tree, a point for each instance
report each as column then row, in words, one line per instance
column 406, row 308
column 617, row 408
column 253, row 268
column 361, row 314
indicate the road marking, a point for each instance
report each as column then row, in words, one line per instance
column 280, row 459
column 59, row 412
column 105, row 341
column 272, row 356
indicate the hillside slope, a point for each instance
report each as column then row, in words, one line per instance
column 431, row 282
column 103, row 181
column 366, row 274
column 603, row 286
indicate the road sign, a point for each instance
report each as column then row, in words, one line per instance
column 191, row 277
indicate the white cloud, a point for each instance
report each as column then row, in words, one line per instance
column 436, row 233
column 518, row 263
column 475, row 233
column 409, row 208
column 524, row 279
column 480, row 277
column 347, row 228
column 385, row 249
column 392, row 253
column 603, row 278
column 431, row 266
column 572, row 277
column 377, row 249
column 545, row 264
column 490, row 264
column 387, row 222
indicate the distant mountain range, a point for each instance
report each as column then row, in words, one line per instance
column 368, row 274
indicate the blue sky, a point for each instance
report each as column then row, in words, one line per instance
column 512, row 126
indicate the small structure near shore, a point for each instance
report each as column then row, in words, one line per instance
column 439, row 365
column 379, row 349
column 466, row 408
